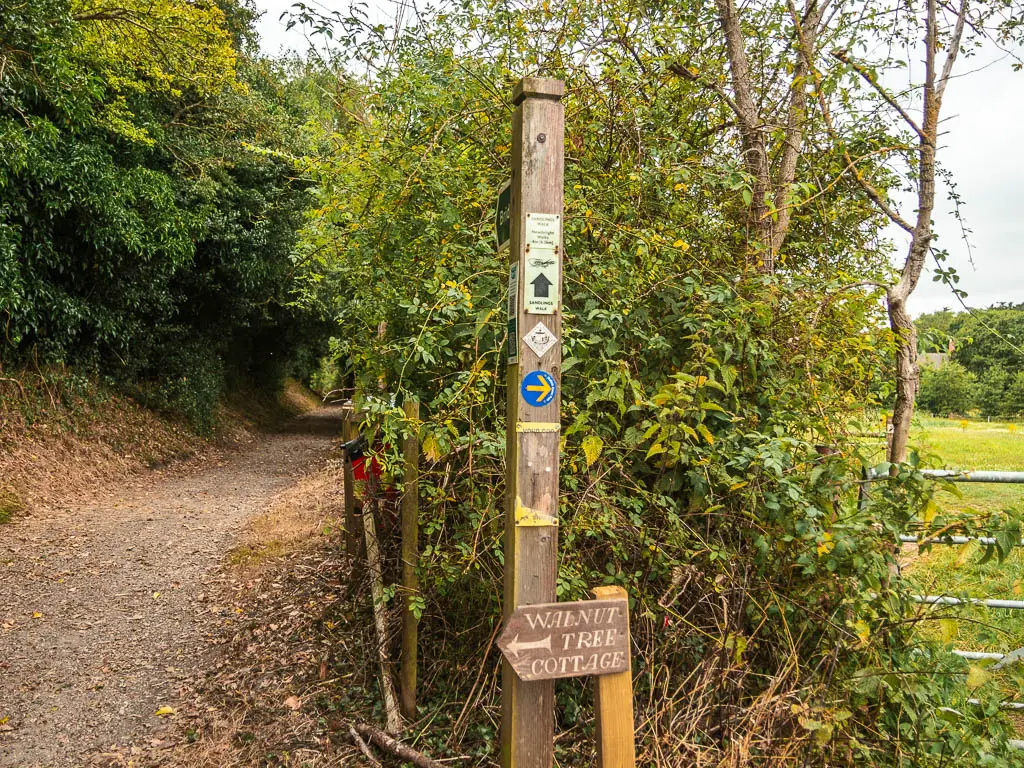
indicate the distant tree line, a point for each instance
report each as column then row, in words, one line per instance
column 984, row 371
column 148, row 202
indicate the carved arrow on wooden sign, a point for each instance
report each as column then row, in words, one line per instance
column 552, row 640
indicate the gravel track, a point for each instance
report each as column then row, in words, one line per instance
column 103, row 606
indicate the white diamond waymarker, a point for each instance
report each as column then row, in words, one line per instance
column 540, row 339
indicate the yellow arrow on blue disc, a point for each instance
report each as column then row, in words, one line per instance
column 538, row 388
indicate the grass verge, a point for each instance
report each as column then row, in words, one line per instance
column 64, row 436
column 960, row 570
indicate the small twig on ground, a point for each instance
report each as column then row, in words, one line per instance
column 397, row 748
column 363, row 746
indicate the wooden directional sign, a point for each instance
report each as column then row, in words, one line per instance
column 553, row 640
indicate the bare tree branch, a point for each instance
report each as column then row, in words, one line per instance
column 889, row 98
column 953, row 49
column 688, row 74
column 752, row 138
column 806, row 28
column 869, row 189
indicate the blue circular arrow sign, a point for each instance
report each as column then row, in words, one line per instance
column 538, row 388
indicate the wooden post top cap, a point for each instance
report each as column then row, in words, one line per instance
column 538, row 88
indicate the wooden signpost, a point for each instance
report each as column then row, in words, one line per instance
column 553, row 640
column 532, row 414
column 543, row 639
column 349, row 430
column 613, row 700
column 548, row 641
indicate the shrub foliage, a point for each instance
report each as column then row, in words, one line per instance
column 140, row 237
column 707, row 463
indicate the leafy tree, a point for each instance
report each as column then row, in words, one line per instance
column 993, row 336
column 935, row 330
column 1015, row 395
column 148, row 198
column 948, row 389
column 944, row 33
column 992, row 392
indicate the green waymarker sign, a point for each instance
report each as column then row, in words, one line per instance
column 503, row 216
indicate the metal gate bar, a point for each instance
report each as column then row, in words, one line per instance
column 1017, row 605
column 967, row 476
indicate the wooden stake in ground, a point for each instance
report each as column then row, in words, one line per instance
column 348, row 432
column 410, row 562
column 533, row 415
column 613, row 703
column 394, row 719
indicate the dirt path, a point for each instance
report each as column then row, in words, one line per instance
column 103, row 609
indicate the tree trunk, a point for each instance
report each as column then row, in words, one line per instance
column 752, row 142
column 806, row 30
column 907, row 376
column 768, row 213
column 907, row 371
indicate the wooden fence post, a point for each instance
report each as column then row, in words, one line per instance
column 613, row 703
column 533, row 409
column 410, row 559
column 348, row 431
column 387, row 688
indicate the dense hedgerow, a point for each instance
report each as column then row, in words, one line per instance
column 708, row 463
column 142, row 235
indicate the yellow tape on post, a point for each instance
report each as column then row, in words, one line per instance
column 527, row 517
column 536, row 426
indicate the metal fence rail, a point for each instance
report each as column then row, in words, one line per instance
column 969, row 476
column 1001, row 659
column 1015, row 605
column 979, row 655
column 958, row 476
column 986, row 540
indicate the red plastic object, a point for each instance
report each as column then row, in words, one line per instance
column 359, row 468
column 360, row 472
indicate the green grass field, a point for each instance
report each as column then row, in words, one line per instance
column 974, row 445
column 957, row 570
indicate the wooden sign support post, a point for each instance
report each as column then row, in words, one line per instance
column 547, row 641
column 613, row 700
column 533, row 411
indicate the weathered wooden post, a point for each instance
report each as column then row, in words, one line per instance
column 533, row 410
column 387, row 688
column 613, row 700
column 546, row 641
column 348, row 432
column 410, row 560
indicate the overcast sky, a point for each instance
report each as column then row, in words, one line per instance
column 983, row 147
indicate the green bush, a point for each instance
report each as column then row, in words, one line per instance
column 186, row 381
column 949, row 389
column 1015, row 395
column 992, row 392
column 147, row 210
column 695, row 394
